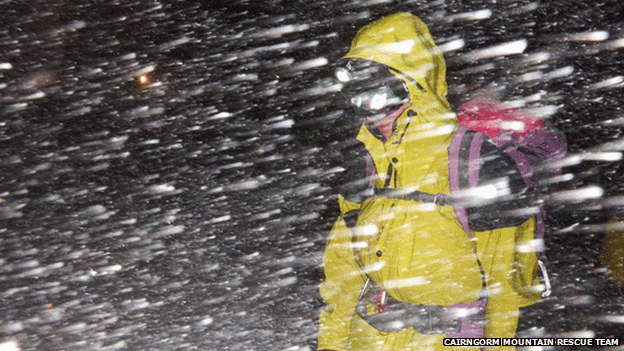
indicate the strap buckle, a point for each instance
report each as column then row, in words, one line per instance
column 547, row 287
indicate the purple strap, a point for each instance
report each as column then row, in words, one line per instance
column 370, row 170
column 474, row 156
column 523, row 163
column 527, row 171
column 540, row 226
column 468, row 328
column 460, row 212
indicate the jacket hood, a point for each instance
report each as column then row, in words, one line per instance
column 403, row 42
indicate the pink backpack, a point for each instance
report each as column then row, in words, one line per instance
column 528, row 140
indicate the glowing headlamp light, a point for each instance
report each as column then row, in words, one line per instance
column 372, row 88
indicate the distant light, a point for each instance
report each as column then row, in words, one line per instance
column 9, row 346
column 142, row 79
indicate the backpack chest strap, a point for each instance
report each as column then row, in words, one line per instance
column 415, row 195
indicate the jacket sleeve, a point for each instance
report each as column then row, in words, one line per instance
column 343, row 277
column 340, row 289
column 356, row 180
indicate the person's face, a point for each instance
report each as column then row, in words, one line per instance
column 372, row 89
column 390, row 116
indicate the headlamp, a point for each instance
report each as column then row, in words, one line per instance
column 372, row 88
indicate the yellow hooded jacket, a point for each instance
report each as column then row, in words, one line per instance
column 417, row 252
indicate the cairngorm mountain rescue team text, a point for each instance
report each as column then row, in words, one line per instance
column 530, row 342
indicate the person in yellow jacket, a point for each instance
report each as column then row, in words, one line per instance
column 400, row 271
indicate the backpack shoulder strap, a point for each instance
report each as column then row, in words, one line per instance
column 464, row 154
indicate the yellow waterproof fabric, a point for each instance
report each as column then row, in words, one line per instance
column 417, row 252
column 612, row 252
